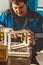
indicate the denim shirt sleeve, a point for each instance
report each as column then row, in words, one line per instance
column 38, row 26
column 6, row 20
column 2, row 19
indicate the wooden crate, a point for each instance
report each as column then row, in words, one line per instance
column 3, row 53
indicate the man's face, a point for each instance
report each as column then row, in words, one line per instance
column 19, row 9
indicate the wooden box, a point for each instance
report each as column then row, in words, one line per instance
column 3, row 53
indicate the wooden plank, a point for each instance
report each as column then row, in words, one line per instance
column 19, row 54
column 16, row 46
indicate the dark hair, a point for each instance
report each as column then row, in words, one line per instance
column 17, row 1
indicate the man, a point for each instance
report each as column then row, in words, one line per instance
column 20, row 17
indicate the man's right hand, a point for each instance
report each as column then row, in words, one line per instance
column 9, row 29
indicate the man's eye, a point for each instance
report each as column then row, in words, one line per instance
column 21, row 7
column 15, row 7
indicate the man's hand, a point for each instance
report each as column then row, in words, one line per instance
column 9, row 29
column 30, row 36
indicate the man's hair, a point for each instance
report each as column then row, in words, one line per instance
column 17, row 1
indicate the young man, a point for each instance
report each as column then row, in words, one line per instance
column 19, row 17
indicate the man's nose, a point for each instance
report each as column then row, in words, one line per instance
column 18, row 9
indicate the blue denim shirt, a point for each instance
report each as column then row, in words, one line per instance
column 7, row 21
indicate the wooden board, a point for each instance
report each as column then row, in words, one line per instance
column 19, row 54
